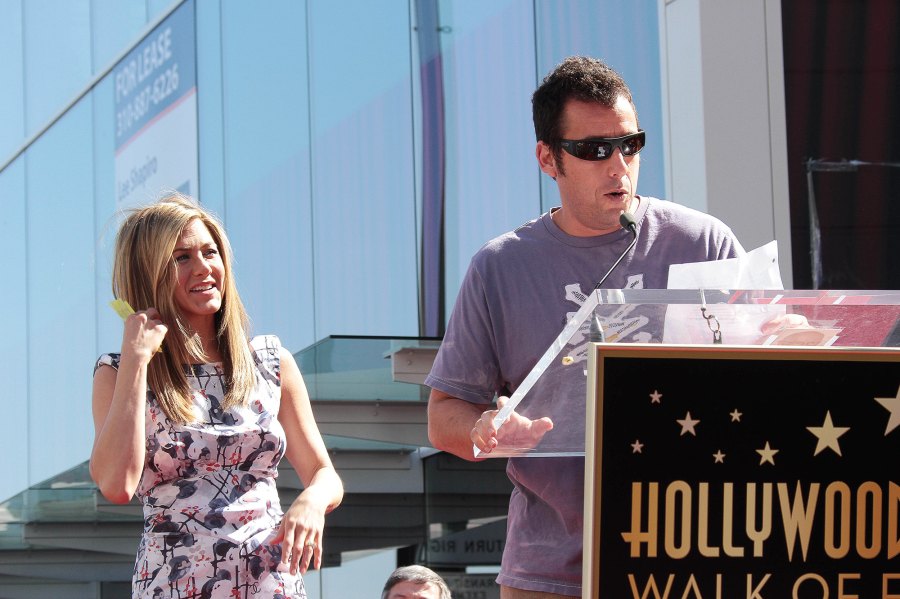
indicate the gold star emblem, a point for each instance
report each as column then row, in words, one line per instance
column 655, row 396
column 828, row 435
column 719, row 457
column 892, row 405
column 688, row 424
column 637, row 446
column 736, row 416
column 768, row 454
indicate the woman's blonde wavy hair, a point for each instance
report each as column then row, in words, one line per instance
column 144, row 276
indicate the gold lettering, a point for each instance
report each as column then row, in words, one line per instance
column 703, row 523
column 691, row 586
column 866, row 490
column 811, row 576
column 651, row 586
column 673, row 491
column 637, row 536
column 728, row 521
column 893, row 539
column 841, row 578
column 754, row 592
column 758, row 535
column 797, row 517
column 840, row 550
column 885, row 578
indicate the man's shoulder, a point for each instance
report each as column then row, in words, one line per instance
column 672, row 211
column 533, row 231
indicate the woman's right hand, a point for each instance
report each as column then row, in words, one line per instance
column 144, row 334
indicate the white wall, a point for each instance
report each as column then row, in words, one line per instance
column 723, row 97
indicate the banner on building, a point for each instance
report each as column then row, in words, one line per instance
column 155, row 89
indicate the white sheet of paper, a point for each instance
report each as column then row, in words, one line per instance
column 757, row 269
column 739, row 324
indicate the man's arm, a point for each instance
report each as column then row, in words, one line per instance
column 450, row 424
column 457, row 426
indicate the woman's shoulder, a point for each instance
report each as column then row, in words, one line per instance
column 265, row 343
column 267, row 352
column 107, row 360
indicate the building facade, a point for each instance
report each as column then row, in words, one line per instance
column 358, row 153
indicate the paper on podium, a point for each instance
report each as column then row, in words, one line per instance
column 739, row 324
column 757, row 269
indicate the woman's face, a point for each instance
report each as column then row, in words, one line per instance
column 200, row 274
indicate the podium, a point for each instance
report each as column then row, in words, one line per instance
column 737, row 443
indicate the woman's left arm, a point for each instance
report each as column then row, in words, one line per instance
column 300, row 533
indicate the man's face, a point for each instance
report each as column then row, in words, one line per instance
column 593, row 193
column 412, row 590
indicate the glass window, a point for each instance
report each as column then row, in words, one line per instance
column 57, row 57
column 109, row 325
column 14, row 349
column 488, row 63
column 265, row 114
column 12, row 125
column 60, row 285
column 363, row 189
column 115, row 25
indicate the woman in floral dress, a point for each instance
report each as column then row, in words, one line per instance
column 194, row 416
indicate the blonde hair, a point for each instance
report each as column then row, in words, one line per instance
column 144, row 276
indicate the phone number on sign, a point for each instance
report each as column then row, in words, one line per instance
column 152, row 95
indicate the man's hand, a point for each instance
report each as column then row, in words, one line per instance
column 517, row 432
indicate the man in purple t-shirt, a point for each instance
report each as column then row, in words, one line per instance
column 521, row 287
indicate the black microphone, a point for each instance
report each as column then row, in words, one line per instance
column 626, row 219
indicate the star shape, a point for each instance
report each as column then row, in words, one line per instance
column 828, row 435
column 636, row 446
column 892, row 405
column 768, row 454
column 736, row 416
column 688, row 424
column 719, row 457
column 655, row 396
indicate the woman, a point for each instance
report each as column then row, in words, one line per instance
column 194, row 416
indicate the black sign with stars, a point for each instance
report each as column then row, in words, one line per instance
column 744, row 473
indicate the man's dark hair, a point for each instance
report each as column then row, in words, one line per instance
column 416, row 575
column 576, row 78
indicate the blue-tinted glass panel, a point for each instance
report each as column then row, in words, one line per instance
column 115, row 26
column 266, row 115
column 626, row 36
column 14, row 349
column 57, row 56
column 156, row 8
column 61, row 322
column 210, row 130
column 488, row 52
column 109, row 325
column 12, row 125
column 362, row 168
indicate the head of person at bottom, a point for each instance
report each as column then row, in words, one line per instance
column 588, row 140
column 174, row 256
column 415, row 582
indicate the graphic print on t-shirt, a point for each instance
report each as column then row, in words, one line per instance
column 620, row 323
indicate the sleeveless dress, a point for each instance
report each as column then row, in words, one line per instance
column 208, row 492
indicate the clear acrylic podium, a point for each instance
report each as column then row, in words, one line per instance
column 745, row 449
column 556, row 386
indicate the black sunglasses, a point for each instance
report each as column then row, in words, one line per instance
column 602, row 148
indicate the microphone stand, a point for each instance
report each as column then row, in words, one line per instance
column 626, row 219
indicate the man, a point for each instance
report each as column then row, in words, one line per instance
column 415, row 582
column 519, row 289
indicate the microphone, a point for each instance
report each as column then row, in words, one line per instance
column 626, row 219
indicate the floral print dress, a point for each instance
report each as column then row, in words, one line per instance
column 208, row 492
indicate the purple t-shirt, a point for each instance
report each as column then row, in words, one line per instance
column 514, row 300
